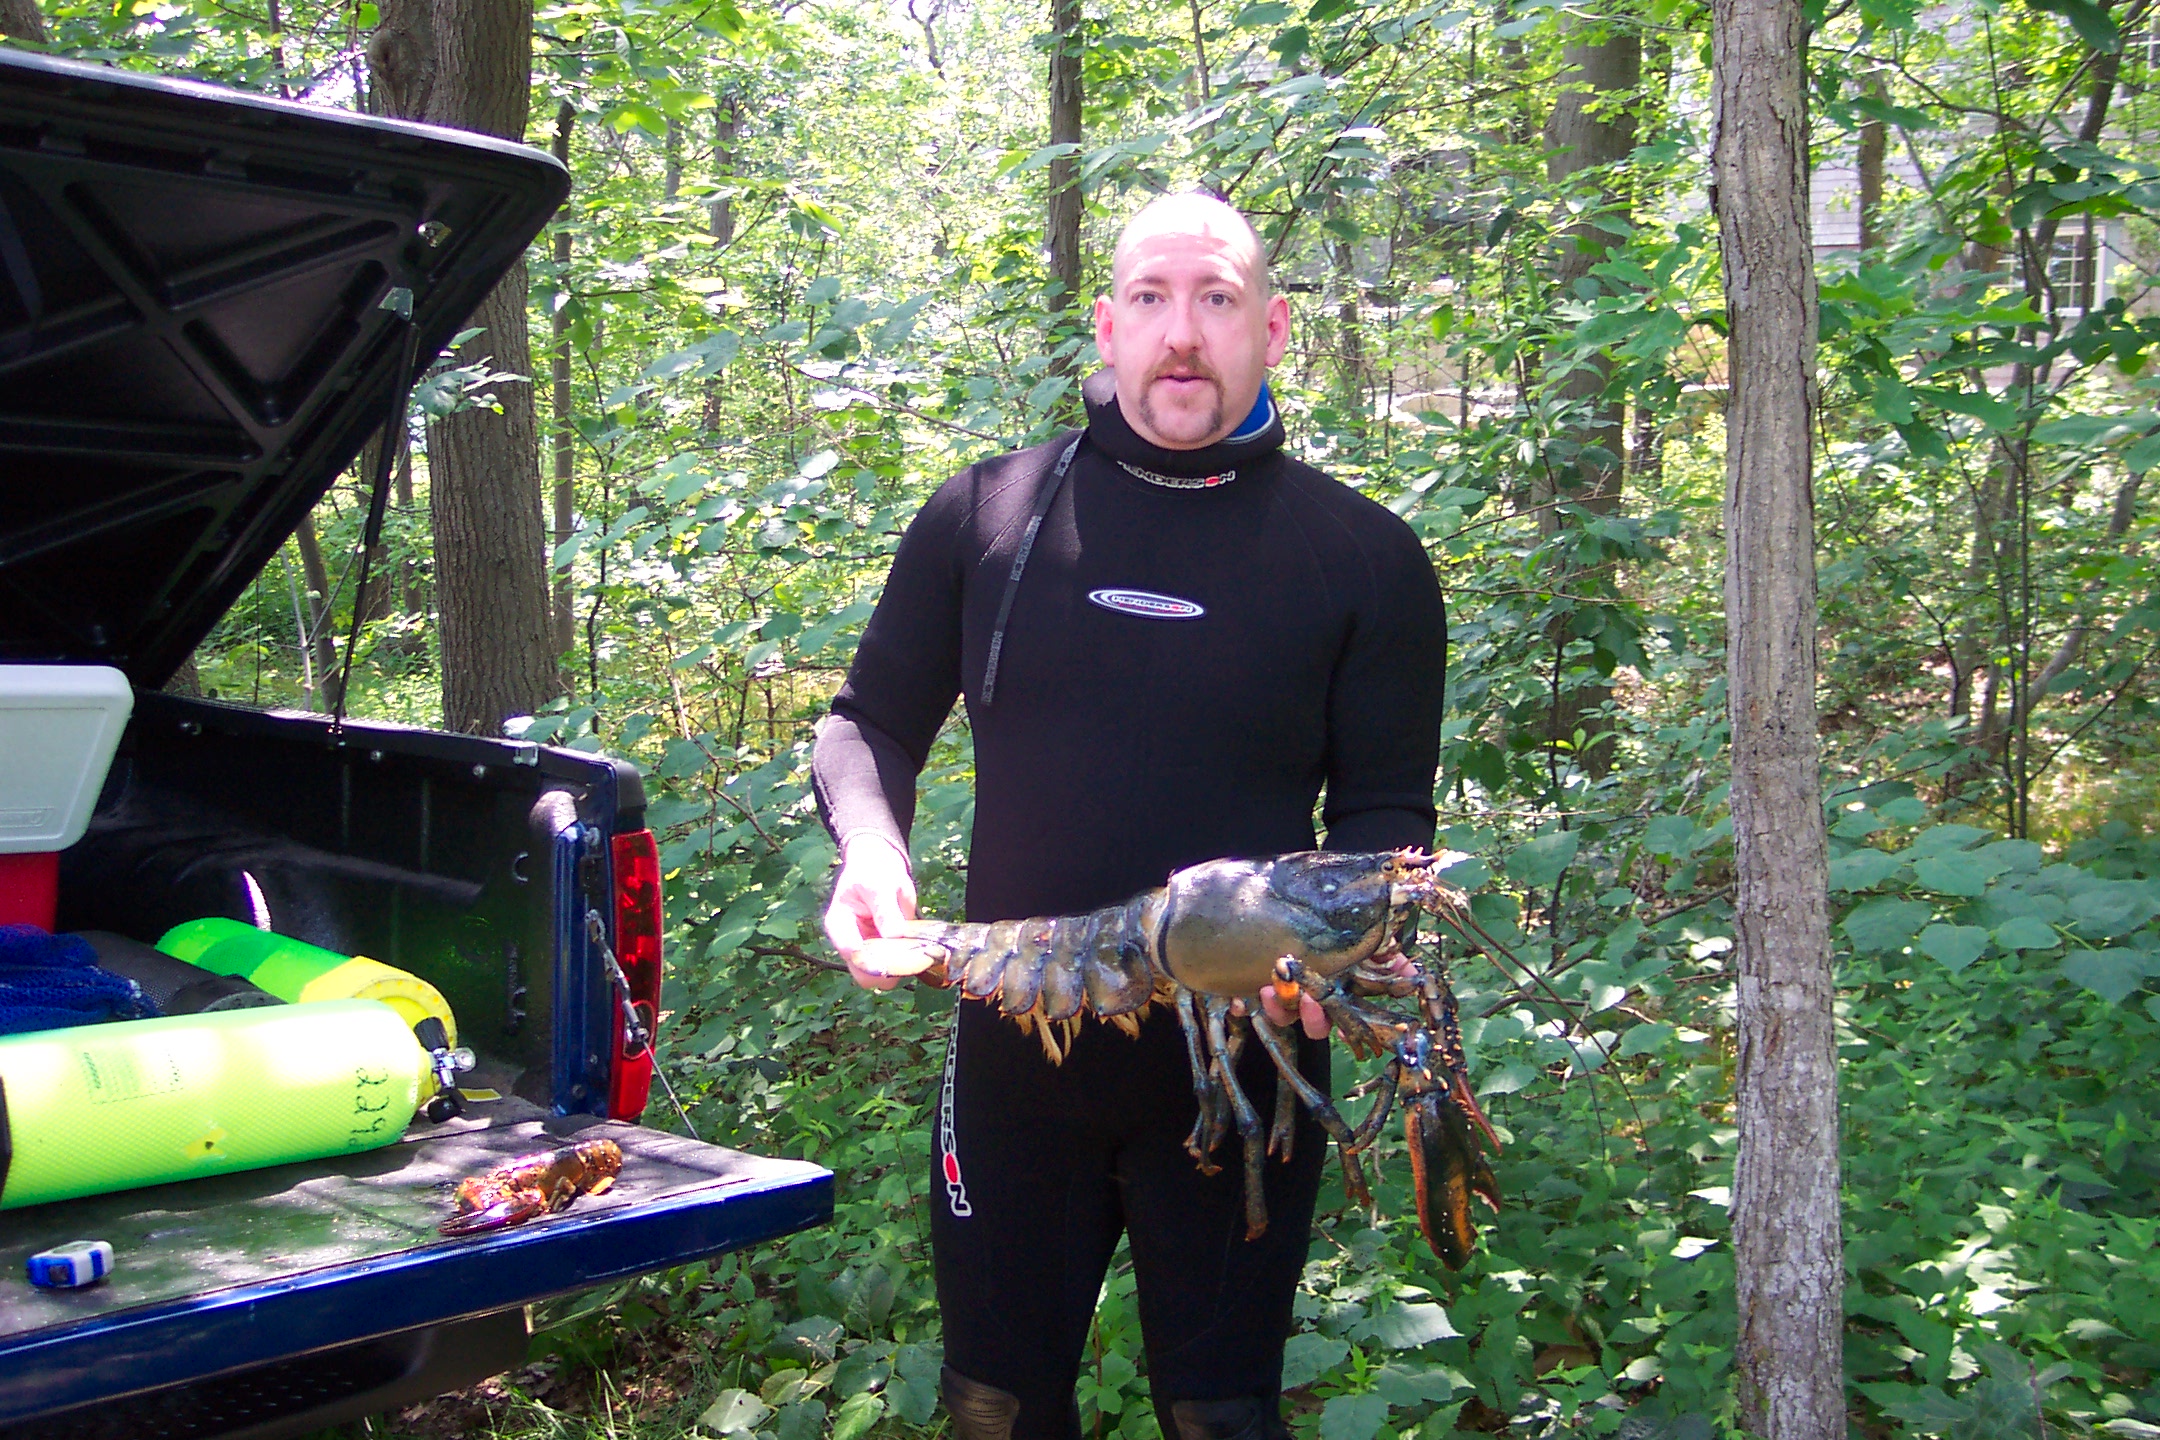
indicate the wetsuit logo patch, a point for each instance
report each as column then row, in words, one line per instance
column 1147, row 604
column 955, row 1188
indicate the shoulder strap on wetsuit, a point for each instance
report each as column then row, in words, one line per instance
column 1045, row 496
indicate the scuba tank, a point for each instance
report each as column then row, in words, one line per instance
column 174, row 986
column 96, row 1108
column 297, row 971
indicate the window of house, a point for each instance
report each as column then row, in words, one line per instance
column 2072, row 267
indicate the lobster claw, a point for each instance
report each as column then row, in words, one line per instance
column 1447, row 1168
column 512, row 1209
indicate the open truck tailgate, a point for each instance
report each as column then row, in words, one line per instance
column 216, row 1276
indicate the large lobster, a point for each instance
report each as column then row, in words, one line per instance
column 1206, row 944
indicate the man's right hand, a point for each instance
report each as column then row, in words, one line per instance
column 873, row 896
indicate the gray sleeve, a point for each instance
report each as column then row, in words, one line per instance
column 901, row 684
column 864, row 781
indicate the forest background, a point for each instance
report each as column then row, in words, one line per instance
column 819, row 255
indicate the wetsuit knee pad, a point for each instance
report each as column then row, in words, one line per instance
column 979, row 1411
column 1248, row 1417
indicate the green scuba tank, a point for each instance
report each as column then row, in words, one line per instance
column 95, row 1108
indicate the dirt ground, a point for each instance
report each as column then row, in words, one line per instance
column 650, row 1373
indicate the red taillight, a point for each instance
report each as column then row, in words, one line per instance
column 30, row 888
column 638, row 922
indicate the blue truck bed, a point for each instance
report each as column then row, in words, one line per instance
column 214, row 1277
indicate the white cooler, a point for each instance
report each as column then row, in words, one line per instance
column 59, row 726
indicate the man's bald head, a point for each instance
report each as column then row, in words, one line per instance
column 1189, row 212
column 1189, row 328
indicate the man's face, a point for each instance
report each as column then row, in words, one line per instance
column 1188, row 329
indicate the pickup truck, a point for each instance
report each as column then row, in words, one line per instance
column 208, row 301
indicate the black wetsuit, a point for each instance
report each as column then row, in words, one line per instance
column 1183, row 670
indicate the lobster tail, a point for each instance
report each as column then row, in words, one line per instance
column 1020, row 987
column 1041, row 973
column 1447, row 1168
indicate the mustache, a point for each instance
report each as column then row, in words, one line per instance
column 1184, row 370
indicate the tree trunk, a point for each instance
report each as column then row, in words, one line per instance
column 320, row 645
column 404, row 592
column 1787, row 1248
column 2003, row 736
column 490, row 545
column 1874, row 146
column 1589, row 129
column 1062, row 233
column 468, row 64
column 1646, row 449
column 21, row 20
column 727, row 129
column 928, row 21
column 401, row 60
column 412, row 582
column 1350, row 360
column 380, row 600
column 727, row 125
column 564, row 608
column 1510, row 60
column 1203, row 82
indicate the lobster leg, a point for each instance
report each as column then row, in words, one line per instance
column 1248, row 1118
column 1441, row 1015
column 1289, row 1082
column 1206, row 1132
column 1295, row 1084
column 1356, row 1030
column 1383, row 1102
column 1381, row 1028
column 1366, row 1030
column 1282, row 1133
column 512, row 1209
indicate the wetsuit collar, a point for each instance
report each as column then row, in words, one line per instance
column 1258, row 437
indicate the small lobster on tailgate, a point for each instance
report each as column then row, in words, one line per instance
column 1327, row 925
column 542, row 1183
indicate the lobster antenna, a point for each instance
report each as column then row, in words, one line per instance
column 1494, row 950
column 1471, row 932
column 1559, row 1004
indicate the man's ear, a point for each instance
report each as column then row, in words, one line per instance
column 1278, row 328
column 1102, row 328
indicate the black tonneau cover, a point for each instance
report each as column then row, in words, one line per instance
column 193, row 339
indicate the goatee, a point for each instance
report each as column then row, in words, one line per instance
column 1147, row 410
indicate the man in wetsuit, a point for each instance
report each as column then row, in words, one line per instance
column 1204, row 635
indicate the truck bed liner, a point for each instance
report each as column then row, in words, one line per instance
column 215, row 1275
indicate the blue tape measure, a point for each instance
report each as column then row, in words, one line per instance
column 69, row 1266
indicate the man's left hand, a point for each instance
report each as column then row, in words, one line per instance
column 1310, row 1016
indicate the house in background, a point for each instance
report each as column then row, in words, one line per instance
column 2082, row 266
